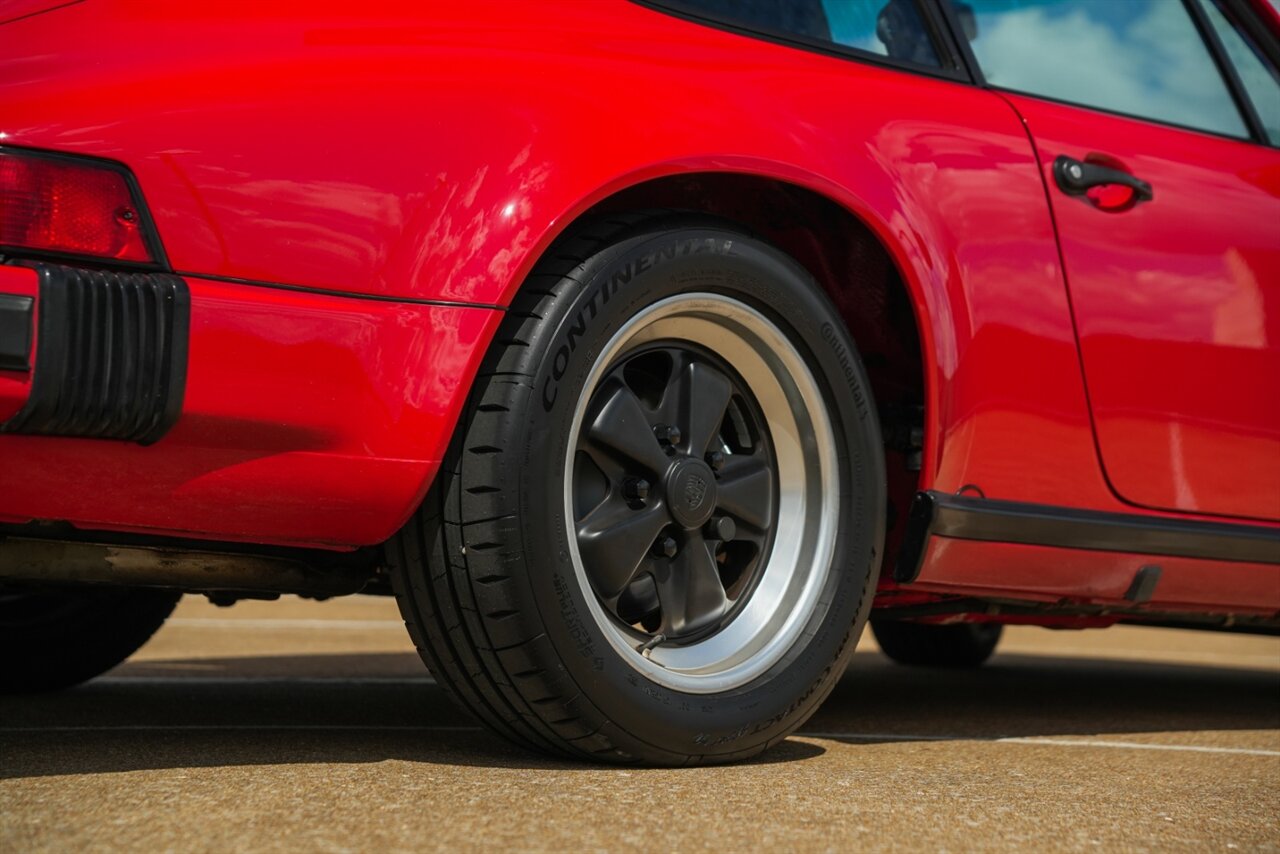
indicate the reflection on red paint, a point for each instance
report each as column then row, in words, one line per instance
column 413, row 153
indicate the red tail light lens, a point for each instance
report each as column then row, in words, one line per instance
column 68, row 205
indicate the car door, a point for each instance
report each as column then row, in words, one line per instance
column 1155, row 123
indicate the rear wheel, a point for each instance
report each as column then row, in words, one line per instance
column 932, row 645
column 657, row 531
column 54, row 638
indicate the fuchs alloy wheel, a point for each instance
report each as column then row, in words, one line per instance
column 705, row 581
column 658, row 528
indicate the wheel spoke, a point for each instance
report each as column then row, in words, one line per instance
column 704, row 397
column 745, row 490
column 690, row 591
column 614, row 540
column 621, row 428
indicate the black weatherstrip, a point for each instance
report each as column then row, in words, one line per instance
column 935, row 514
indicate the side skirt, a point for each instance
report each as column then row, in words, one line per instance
column 935, row 514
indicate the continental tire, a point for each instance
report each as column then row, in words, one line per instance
column 54, row 638
column 657, row 532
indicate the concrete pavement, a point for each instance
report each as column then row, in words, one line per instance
column 313, row 726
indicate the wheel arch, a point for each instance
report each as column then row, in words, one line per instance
column 883, row 304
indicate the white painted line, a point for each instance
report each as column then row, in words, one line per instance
column 250, row 681
column 224, row 623
column 1139, row 745
column 1049, row 742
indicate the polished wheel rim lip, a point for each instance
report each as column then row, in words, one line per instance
column 798, row 564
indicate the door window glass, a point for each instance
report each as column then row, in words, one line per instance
column 1138, row 57
column 890, row 28
column 1256, row 75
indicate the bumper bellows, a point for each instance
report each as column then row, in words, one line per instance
column 111, row 355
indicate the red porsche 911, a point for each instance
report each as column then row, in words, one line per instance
column 644, row 350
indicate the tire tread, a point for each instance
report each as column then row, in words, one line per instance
column 479, row 654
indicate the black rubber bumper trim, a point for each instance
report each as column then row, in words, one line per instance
column 111, row 355
column 935, row 514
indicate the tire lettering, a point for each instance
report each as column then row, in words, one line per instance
column 569, row 613
column 600, row 297
column 843, row 356
column 561, row 362
column 575, row 332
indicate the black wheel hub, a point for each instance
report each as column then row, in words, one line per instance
column 674, row 493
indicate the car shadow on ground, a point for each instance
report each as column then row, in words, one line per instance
column 373, row 707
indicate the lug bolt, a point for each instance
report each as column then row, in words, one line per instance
column 667, row 434
column 715, row 459
column 635, row 489
column 664, row 547
column 720, row 528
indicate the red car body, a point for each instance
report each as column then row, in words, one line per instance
column 353, row 195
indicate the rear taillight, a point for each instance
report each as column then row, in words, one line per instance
column 71, row 206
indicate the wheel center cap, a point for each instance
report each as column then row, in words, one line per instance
column 691, row 492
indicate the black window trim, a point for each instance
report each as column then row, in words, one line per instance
column 947, row 12
column 953, row 66
column 1255, row 34
column 1238, row 12
column 1227, row 69
column 960, row 65
column 1242, row 14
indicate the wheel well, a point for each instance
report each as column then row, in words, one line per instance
column 854, row 269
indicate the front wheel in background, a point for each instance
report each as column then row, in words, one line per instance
column 934, row 645
column 56, row 637
column 657, row 533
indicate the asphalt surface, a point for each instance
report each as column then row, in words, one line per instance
column 313, row 726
